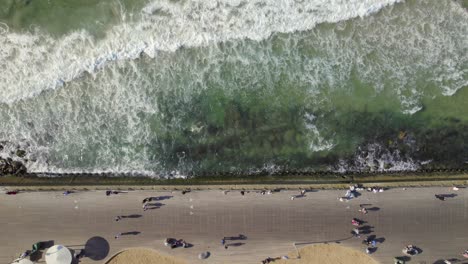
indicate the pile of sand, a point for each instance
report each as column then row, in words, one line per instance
column 327, row 254
column 143, row 256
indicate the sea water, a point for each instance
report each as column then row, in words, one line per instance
column 208, row 86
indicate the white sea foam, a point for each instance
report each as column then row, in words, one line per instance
column 110, row 117
column 34, row 62
column 374, row 157
column 317, row 142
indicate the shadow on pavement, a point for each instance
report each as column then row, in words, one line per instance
column 97, row 248
column 132, row 216
column 131, row 233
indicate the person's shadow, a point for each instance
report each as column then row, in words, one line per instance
column 154, row 205
column 239, row 237
column 160, row 198
column 452, row 260
column 365, row 229
column 237, row 244
column 380, row 240
column 131, row 233
column 132, row 216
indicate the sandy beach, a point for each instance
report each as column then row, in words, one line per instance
column 272, row 224
column 143, row 256
column 327, row 254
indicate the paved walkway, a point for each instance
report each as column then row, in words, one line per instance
column 272, row 223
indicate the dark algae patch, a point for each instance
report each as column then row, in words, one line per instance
column 240, row 132
column 443, row 145
column 243, row 128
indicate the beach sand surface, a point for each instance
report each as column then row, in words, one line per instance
column 327, row 254
column 143, row 256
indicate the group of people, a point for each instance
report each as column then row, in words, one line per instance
column 370, row 242
column 375, row 189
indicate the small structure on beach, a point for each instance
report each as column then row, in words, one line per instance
column 58, row 254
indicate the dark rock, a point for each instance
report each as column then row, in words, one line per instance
column 3, row 165
column 18, row 167
column 9, row 166
column 20, row 153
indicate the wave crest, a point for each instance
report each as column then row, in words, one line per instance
column 34, row 62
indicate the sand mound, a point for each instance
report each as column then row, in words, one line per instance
column 328, row 254
column 143, row 256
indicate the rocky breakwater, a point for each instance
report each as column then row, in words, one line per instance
column 10, row 166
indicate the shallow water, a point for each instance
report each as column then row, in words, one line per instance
column 242, row 86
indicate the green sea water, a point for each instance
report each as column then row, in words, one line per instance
column 59, row 17
column 191, row 87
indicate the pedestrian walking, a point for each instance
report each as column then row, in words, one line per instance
column 355, row 232
column 117, row 218
column 223, row 241
column 117, row 236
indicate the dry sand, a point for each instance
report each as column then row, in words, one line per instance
column 327, row 254
column 143, row 256
column 316, row 254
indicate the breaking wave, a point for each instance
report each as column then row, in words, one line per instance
column 34, row 62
